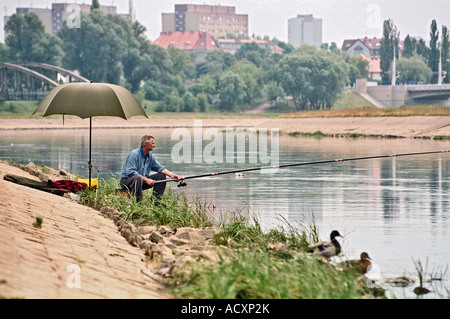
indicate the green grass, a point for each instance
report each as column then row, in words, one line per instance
column 174, row 209
column 417, row 110
column 348, row 104
column 247, row 267
column 38, row 222
column 255, row 273
column 317, row 134
column 14, row 109
column 351, row 101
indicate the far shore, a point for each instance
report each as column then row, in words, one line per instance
column 427, row 127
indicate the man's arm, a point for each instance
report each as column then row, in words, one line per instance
column 170, row 174
column 130, row 166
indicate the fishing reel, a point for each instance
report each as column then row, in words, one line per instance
column 181, row 184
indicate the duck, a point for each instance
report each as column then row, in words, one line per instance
column 327, row 249
column 362, row 265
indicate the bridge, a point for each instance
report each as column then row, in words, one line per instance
column 388, row 95
column 32, row 81
column 434, row 91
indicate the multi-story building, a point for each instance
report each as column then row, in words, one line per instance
column 62, row 11
column 219, row 21
column 44, row 14
column 305, row 29
column 53, row 18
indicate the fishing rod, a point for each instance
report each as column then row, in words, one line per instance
column 182, row 179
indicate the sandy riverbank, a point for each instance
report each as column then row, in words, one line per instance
column 409, row 127
column 74, row 240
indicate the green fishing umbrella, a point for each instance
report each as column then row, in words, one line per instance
column 87, row 100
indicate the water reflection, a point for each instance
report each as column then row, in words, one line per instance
column 394, row 208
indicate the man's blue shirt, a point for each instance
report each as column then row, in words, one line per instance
column 139, row 163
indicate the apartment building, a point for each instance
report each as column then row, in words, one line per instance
column 216, row 20
column 305, row 29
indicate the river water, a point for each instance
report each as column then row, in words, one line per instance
column 397, row 209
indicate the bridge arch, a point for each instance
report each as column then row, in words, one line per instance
column 31, row 92
column 57, row 69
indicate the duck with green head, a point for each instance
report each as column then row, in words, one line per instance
column 327, row 249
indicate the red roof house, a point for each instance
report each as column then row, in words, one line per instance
column 374, row 67
column 195, row 42
column 231, row 45
column 369, row 47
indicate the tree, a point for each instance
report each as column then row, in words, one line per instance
column 287, row 48
column 252, row 52
column 181, row 62
column 190, row 102
column 293, row 78
column 274, row 91
column 445, row 46
column 433, row 53
column 28, row 41
column 203, row 103
column 138, row 61
column 421, row 48
column 358, row 67
column 312, row 78
column 251, row 77
column 409, row 48
column 231, row 91
column 95, row 50
column 414, row 69
column 216, row 62
column 389, row 43
column 95, row 5
column 331, row 47
column 173, row 102
column 4, row 52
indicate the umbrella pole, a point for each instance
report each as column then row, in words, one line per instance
column 90, row 142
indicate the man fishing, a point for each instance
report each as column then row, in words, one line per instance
column 140, row 162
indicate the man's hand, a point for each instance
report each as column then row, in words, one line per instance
column 175, row 177
column 149, row 181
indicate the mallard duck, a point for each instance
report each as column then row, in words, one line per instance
column 327, row 249
column 361, row 265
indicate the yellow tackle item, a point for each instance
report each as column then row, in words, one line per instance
column 94, row 181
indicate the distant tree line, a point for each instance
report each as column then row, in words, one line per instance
column 109, row 48
column 418, row 61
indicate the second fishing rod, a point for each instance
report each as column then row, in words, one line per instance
column 182, row 182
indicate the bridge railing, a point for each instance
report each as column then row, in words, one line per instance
column 22, row 95
column 429, row 87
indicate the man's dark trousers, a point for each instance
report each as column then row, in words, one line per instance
column 135, row 184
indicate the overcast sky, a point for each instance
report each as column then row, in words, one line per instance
column 342, row 19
